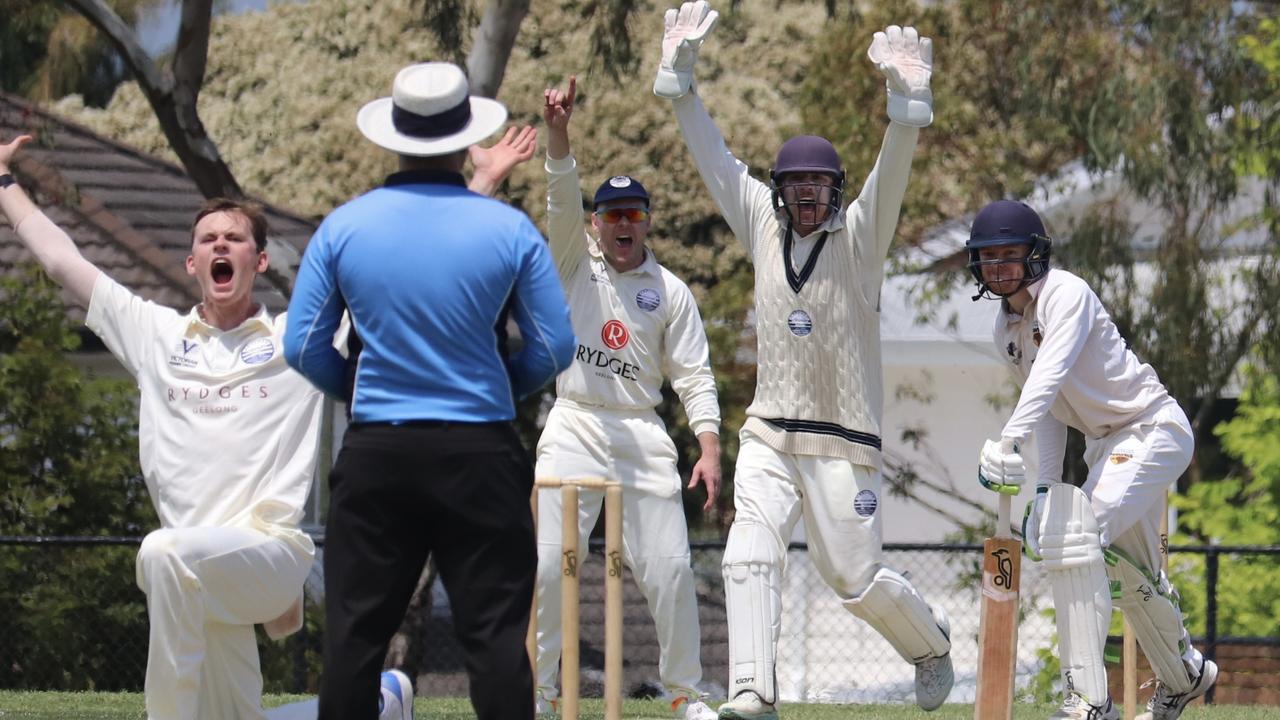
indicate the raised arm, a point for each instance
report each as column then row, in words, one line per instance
column 53, row 248
column 906, row 59
column 741, row 199
column 565, row 230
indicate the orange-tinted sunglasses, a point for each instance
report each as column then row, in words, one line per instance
column 615, row 215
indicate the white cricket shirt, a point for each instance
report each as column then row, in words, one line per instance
column 1074, row 368
column 228, row 434
column 633, row 328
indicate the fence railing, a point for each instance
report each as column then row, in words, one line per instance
column 71, row 618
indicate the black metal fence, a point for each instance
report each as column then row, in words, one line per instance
column 71, row 618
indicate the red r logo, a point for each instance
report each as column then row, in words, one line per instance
column 615, row 335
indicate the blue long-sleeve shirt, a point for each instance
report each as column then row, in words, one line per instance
column 430, row 272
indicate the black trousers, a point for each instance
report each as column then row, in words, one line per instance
column 461, row 492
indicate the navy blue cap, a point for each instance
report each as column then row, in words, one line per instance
column 1005, row 222
column 621, row 187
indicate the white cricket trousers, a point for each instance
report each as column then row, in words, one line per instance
column 1130, row 473
column 206, row 588
column 633, row 448
column 840, row 503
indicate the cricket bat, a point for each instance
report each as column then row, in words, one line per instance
column 998, row 631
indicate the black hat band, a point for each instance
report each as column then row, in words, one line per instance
column 431, row 126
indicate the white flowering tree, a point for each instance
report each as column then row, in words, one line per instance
column 172, row 91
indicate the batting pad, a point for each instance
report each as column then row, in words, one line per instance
column 1151, row 605
column 752, row 570
column 893, row 607
column 1073, row 559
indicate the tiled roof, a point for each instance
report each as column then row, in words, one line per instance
column 129, row 213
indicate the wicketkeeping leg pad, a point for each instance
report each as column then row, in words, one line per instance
column 752, row 569
column 891, row 605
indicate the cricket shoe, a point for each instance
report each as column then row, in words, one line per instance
column 545, row 706
column 1164, row 705
column 396, row 702
column 748, row 706
column 935, row 676
column 692, row 707
column 1075, row 707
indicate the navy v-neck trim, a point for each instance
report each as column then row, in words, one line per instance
column 797, row 281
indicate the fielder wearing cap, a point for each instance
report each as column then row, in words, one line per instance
column 228, row 437
column 636, row 324
column 1076, row 370
column 811, row 444
column 429, row 272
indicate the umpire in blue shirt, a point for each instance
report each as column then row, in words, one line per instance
column 430, row 273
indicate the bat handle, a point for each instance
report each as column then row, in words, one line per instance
column 1002, row 515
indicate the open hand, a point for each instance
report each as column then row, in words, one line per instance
column 8, row 150
column 493, row 164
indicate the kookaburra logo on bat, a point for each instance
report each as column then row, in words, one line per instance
column 1004, row 565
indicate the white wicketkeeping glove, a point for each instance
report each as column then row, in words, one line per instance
column 1031, row 518
column 684, row 31
column 906, row 59
column 1000, row 467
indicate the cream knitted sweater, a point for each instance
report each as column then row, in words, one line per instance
column 818, row 384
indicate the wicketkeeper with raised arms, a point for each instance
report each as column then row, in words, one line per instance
column 1076, row 370
column 811, row 445
column 636, row 322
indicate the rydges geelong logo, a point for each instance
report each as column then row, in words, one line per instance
column 615, row 335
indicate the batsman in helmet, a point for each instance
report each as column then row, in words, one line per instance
column 811, row 444
column 1076, row 370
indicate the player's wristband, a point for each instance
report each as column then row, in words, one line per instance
column 6, row 180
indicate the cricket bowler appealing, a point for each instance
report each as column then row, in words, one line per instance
column 635, row 322
column 1076, row 370
column 228, row 437
column 811, row 444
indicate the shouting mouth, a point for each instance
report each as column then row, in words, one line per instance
column 222, row 272
column 624, row 242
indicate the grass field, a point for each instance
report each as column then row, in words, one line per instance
column 113, row 706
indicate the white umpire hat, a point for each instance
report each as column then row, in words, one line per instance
column 430, row 112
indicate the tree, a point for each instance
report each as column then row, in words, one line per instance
column 68, row 466
column 173, row 91
column 47, row 52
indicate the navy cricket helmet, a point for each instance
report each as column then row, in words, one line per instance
column 1001, row 224
column 808, row 154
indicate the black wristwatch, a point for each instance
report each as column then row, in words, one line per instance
column 6, row 180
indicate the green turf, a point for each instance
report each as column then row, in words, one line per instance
column 110, row 706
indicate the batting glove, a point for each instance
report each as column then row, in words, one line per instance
column 684, row 31
column 1000, row 467
column 1031, row 523
column 906, row 59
